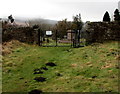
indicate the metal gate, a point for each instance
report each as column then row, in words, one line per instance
column 72, row 38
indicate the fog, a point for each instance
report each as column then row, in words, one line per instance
column 58, row 9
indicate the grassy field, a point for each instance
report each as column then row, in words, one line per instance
column 93, row 68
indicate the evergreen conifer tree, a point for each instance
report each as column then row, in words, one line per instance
column 106, row 17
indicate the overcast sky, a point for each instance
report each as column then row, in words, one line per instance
column 58, row 9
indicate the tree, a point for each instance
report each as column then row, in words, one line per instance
column 117, row 15
column 106, row 17
column 35, row 26
column 62, row 27
column 77, row 22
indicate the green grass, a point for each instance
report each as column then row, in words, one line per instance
column 77, row 66
column 53, row 43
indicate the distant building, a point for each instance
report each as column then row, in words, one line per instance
column 70, row 35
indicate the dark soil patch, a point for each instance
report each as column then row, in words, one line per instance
column 117, row 67
column 50, row 64
column 25, row 81
column 108, row 54
column 8, row 71
column 35, row 91
column 112, row 53
column 94, row 76
column 108, row 91
column 44, row 68
column 58, row 74
column 21, row 78
column 38, row 71
column 40, row 79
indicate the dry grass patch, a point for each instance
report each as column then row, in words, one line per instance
column 73, row 65
column 7, row 47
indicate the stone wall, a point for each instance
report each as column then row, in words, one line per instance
column 102, row 31
column 22, row 34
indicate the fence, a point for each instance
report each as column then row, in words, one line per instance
column 70, row 39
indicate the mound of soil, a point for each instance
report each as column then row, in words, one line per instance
column 117, row 67
column 94, row 76
column 50, row 64
column 40, row 79
column 21, row 78
column 35, row 91
column 44, row 68
column 38, row 71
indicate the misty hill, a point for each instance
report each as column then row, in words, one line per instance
column 42, row 21
column 23, row 21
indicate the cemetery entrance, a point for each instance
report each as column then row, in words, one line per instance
column 56, row 39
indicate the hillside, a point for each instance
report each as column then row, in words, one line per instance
column 24, row 21
column 93, row 68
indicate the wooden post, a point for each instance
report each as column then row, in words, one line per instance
column 79, row 38
column 71, row 38
column 38, row 37
column 56, row 37
column 75, row 41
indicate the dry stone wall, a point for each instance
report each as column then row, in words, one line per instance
column 22, row 34
column 102, row 31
